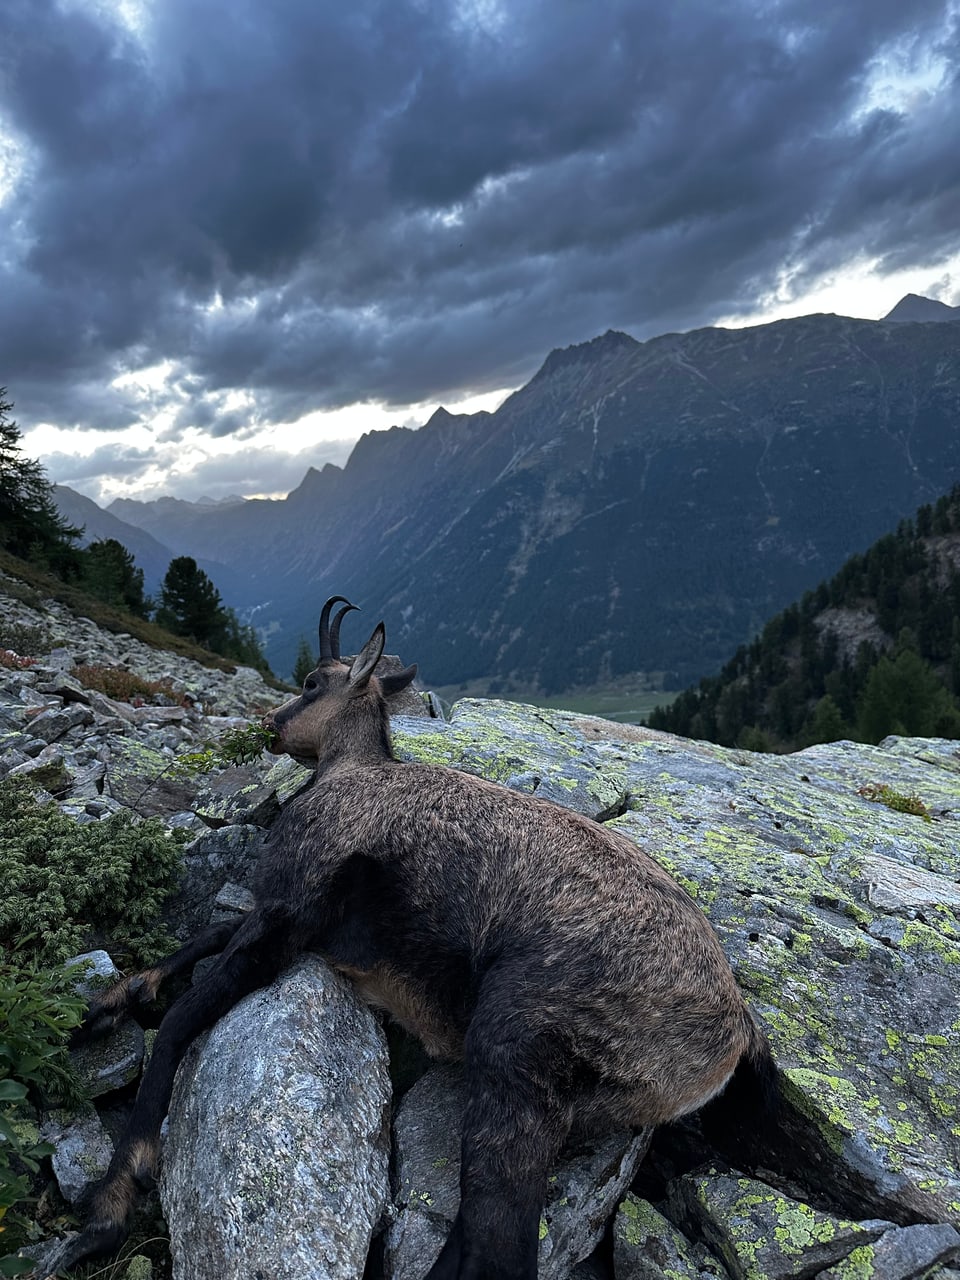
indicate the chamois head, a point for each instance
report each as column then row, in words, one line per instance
column 341, row 709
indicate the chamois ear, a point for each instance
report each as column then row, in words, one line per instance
column 367, row 658
column 397, row 681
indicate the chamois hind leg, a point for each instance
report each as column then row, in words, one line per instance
column 110, row 1006
column 514, row 1125
column 263, row 945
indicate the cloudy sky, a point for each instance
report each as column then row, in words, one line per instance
column 234, row 234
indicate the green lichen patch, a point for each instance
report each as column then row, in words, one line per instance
column 886, row 1139
column 854, row 982
column 763, row 1235
column 646, row 1243
column 515, row 745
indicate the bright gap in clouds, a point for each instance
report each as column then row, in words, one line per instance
column 859, row 291
column 268, row 461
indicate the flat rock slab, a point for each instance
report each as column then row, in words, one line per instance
column 106, row 1065
column 139, row 778
column 82, row 1149
column 822, row 901
column 903, row 1253
column 238, row 795
column 761, row 1234
column 276, row 1159
column 214, row 858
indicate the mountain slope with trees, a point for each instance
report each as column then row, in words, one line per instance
column 873, row 651
column 35, row 534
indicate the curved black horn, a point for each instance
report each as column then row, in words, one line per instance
column 335, row 629
column 326, row 651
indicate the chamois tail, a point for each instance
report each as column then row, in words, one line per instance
column 756, row 1126
column 744, row 1122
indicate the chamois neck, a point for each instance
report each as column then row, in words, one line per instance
column 362, row 736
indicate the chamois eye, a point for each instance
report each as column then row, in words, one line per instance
column 310, row 685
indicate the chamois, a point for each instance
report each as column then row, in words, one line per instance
column 578, row 983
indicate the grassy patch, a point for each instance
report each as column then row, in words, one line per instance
column 126, row 686
column 881, row 793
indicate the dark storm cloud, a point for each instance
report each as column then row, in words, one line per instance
column 109, row 459
column 399, row 199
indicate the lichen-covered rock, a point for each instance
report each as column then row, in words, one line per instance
column 647, row 1246
column 98, row 970
column 82, row 1149
column 276, row 1158
column 139, row 778
column 287, row 777
column 508, row 743
column 237, row 796
column 209, row 862
column 46, row 769
column 232, row 901
column 854, row 974
column 106, row 1065
column 582, row 1193
column 903, row 1253
column 761, row 1234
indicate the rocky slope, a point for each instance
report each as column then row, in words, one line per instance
column 651, row 503
column 840, row 915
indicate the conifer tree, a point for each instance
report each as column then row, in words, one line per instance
column 31, row 527
column 305, row 662
column 826, row 724
column 190, row 605
column 903, row 696
column 110, row 573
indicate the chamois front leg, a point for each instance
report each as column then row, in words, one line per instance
column 264, row 944
column 110, row 1006
column 515, row 1123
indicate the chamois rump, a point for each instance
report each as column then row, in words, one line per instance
column 578, row 983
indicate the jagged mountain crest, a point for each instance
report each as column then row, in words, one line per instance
column 636, row 506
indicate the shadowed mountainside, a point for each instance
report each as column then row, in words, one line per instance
column 636, row 506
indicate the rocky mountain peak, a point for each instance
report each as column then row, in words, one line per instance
column 913, row 308
column 611, row 343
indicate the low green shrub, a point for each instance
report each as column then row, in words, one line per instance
column 881, row 793
column 68, row 886
column 23, row 638
column 38, row 1009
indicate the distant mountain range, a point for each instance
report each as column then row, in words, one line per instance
column 151, row 555
column 635, row 507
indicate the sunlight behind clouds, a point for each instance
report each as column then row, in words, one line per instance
column 237, row 226
column 12, row 164
column 860, row 290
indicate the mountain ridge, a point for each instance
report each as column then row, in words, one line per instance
column 677, row 491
